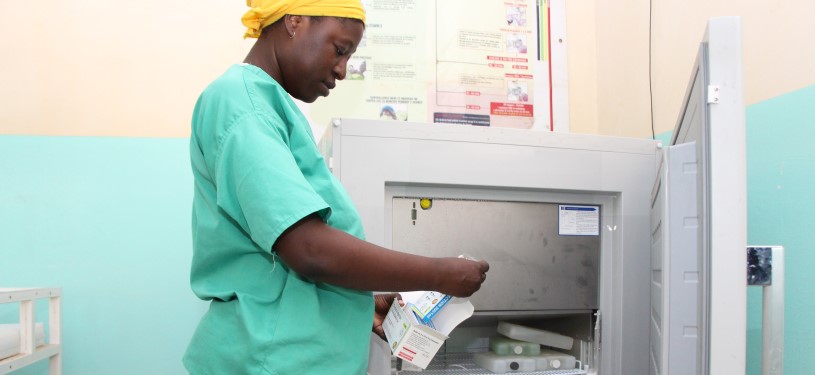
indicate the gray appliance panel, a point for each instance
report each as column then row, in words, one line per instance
column 532, row 268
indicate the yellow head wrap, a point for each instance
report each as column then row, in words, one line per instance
column 265, row 12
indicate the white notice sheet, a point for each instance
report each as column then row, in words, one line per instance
column 574, row 220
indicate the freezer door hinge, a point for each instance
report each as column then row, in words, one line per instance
column 597, row 328
column 712, row 94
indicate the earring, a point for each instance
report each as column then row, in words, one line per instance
column 292, row 34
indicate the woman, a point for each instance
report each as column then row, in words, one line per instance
column 278, row 245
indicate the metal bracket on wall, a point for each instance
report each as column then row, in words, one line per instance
column 712, row 94
column 759, row 266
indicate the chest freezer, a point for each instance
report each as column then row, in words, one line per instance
column 631, row 247
column 496, row 195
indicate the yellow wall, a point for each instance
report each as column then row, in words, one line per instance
column 609, row 41
column 582, row 61
column 96, row 67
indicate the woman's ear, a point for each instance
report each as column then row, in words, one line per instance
column 292, row 23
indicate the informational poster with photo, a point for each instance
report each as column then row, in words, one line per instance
column 442, row 61
column 483, row 63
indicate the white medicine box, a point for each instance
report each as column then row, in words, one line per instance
column 416, row 331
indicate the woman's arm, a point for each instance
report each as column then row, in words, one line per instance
column 325, row 254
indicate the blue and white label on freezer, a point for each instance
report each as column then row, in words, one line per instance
column 576, row 220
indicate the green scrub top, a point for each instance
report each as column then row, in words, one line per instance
column 257, row 171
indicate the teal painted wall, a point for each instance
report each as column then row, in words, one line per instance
column 780, row 207
column 108, row 221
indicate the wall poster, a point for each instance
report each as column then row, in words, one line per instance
column 446, row 62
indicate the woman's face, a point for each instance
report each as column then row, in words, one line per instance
column 318, row 56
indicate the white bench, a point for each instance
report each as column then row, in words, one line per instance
column 30, row 352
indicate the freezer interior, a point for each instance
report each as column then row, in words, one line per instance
column 544, row 275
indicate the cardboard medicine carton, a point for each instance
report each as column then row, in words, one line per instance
column 416, row 331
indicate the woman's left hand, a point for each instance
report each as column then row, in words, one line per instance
column 382, row 303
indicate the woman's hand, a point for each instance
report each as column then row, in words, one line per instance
column 382, row 303
column 461, row 277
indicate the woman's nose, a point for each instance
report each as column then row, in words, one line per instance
column 340, row 70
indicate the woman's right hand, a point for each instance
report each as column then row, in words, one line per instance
column 462, row 277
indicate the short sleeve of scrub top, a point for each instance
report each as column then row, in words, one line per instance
column 260, row 181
